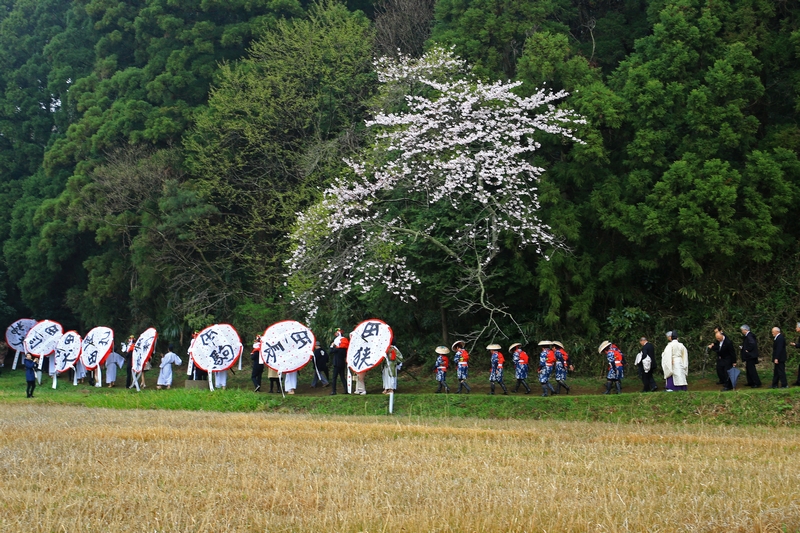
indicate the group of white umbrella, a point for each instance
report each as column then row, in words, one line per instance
column 286, row 346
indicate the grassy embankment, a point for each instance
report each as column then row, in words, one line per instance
column 742, row 407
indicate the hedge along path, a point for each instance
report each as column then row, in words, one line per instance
column 82, row 469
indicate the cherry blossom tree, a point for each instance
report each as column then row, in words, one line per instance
column 449, row 175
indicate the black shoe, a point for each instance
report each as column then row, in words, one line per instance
column 333, row 393
column 726, row 389
column 258, row 388
column 720, row 383
column 654, row 389
column 774, row 387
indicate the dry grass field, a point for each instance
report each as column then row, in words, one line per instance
column 80, row 469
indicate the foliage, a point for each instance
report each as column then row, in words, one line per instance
column 154, row 156
column 276, row 127
column 449, row 177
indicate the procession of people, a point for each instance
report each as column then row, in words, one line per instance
column 553, row 366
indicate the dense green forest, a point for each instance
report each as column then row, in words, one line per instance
column 155, row 154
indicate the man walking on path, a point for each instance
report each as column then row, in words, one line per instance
column 750, row 357
column 778, row 358
column 726, row 357
column 647, row 364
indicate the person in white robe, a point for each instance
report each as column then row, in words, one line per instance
column 290, row 382
column 114, row 361
column 675, row 363
column 391, row 364
column 165, row 374
column 80, row 371
column 221, row 379
column 361, row 387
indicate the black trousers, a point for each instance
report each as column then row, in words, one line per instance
column 779, row 374
column 648, row 381
column 752, row 374
column 723, row 365
column 128, row 374
column 255, row 375
column 338, row 371
column 29, row 389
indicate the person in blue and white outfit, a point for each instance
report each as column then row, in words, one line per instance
column 496, row 373
column 520, row 359
column 441, row 368
column 562, row 366
column 615, row 366
column 461, row 359
column 547, row 358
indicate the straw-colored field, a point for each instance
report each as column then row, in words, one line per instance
column 79, row 469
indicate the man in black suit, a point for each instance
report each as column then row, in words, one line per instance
column 726, row 357
column 646, row 367
column 750, row 356
column 797, row 346
column 778, row 358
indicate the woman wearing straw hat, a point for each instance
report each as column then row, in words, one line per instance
column 520, row 359
column 441, row 368
column 562, row 365
column 496, row 374
column 461, row 359
column 614, row 357
column 547, row 358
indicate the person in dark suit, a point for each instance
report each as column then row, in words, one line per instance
column 750, row 356
column 338, row 354
column 797, row 346
column 778, row 358
column 726, row 357
column 646, row 368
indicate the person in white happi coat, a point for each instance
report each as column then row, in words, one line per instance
column 675, row 363
column 165, row 374
column 113, row 362
column 290, row 382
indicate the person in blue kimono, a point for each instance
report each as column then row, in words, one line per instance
column 615, row 366
column 562, row 366
column 547, row 359
column 496, row 373
column 441, row 368
column 520, row 359
column 30, row 375
column 461, row 359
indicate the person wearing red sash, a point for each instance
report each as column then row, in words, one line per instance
column 461, row 359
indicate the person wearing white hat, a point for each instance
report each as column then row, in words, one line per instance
column 520, row 359
column 547, row 358
column 562, row 365
column 441, row 368
column 615, row 366
column 461, row 359
column 496, row 374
